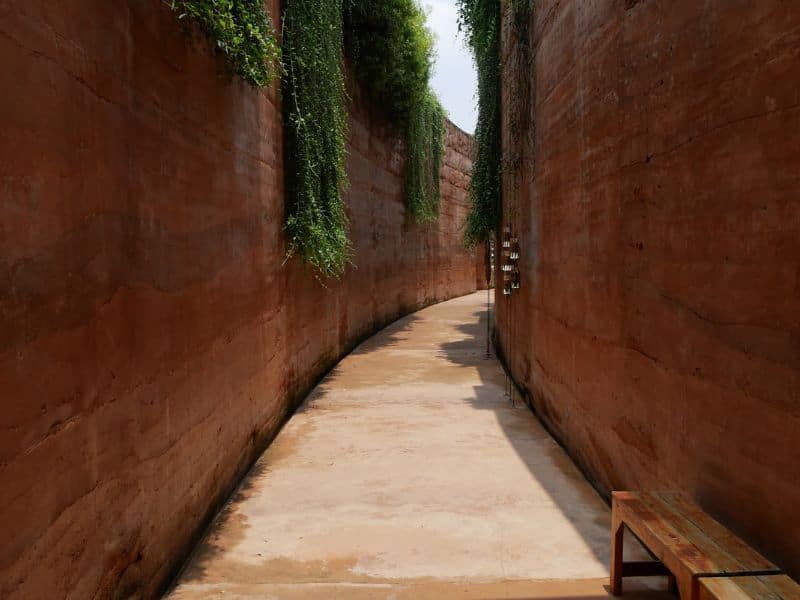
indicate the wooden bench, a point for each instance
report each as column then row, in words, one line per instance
column 687, row 543
column 765, row 587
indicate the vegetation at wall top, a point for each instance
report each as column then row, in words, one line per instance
column 315, row 123
column 517, row 69
column 480, row 21
column 390, row 51
column 241, row 30
column 424, row 153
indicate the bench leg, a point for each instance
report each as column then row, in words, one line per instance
column 617, row 537
column 689, row 587
column 672, row 584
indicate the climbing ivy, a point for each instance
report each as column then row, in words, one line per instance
column 315, row 123
column 241, row 30
column 391, row 51
column 425, row 149
column 480, row 21
column 517, row 71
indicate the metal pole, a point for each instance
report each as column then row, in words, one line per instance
column 488, row 322
column 488, row 274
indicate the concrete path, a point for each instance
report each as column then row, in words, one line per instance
column 408, row 474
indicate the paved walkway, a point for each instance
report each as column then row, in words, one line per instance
column 408, row 474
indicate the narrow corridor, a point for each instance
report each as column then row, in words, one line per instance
column 407, row 473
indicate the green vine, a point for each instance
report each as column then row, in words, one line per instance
column 391, row 51
column 241, row 30
column 315, row 123
column 480, row 21
column 517, row 68
column 424, row 153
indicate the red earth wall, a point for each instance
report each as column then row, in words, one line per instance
column 657, row 330
column 151, row 339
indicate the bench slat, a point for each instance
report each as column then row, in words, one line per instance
column 733, row 588
column 717, row 557
column 660, row 536
column 729, row 541
column 785, row 586
column 765, row 587
column 669, row 522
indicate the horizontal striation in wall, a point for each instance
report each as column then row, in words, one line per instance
column 152, row 340
column 658, row 325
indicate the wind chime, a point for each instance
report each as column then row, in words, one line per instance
column 510, row 266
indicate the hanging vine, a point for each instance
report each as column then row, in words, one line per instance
column 241, row 30
column 480, row 21
column 391, row 51
column 315, row 123
column 517, row 72
column 424, row 153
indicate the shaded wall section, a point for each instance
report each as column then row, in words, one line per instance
column 151, row 338
column 657, row 330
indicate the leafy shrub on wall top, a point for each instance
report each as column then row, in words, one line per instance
column 517, row 69
column 391, row 51
column 241, row 30
column 480, row 20
column 424, row 152
column 315, row 125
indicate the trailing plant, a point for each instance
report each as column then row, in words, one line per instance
column 517, row 71
column 241, row 30
column 315, row 126
column 480, row 21
column 391, row 51
column 424, row 152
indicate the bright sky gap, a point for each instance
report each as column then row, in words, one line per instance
column 454, row 79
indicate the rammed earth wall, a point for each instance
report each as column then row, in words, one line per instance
column 152, row 340
column 657, row 329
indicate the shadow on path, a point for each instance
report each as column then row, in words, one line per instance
column 471, row 351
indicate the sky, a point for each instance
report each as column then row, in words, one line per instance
column 454, row 79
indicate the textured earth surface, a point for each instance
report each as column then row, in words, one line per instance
column 152, row 335
column 657, row 327
column 408, row 473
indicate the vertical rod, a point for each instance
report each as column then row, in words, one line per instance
column 510, row 344
column 488, row 321
column 508, row 347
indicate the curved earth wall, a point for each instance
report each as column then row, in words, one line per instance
column 657, row 329
column 152, row 340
